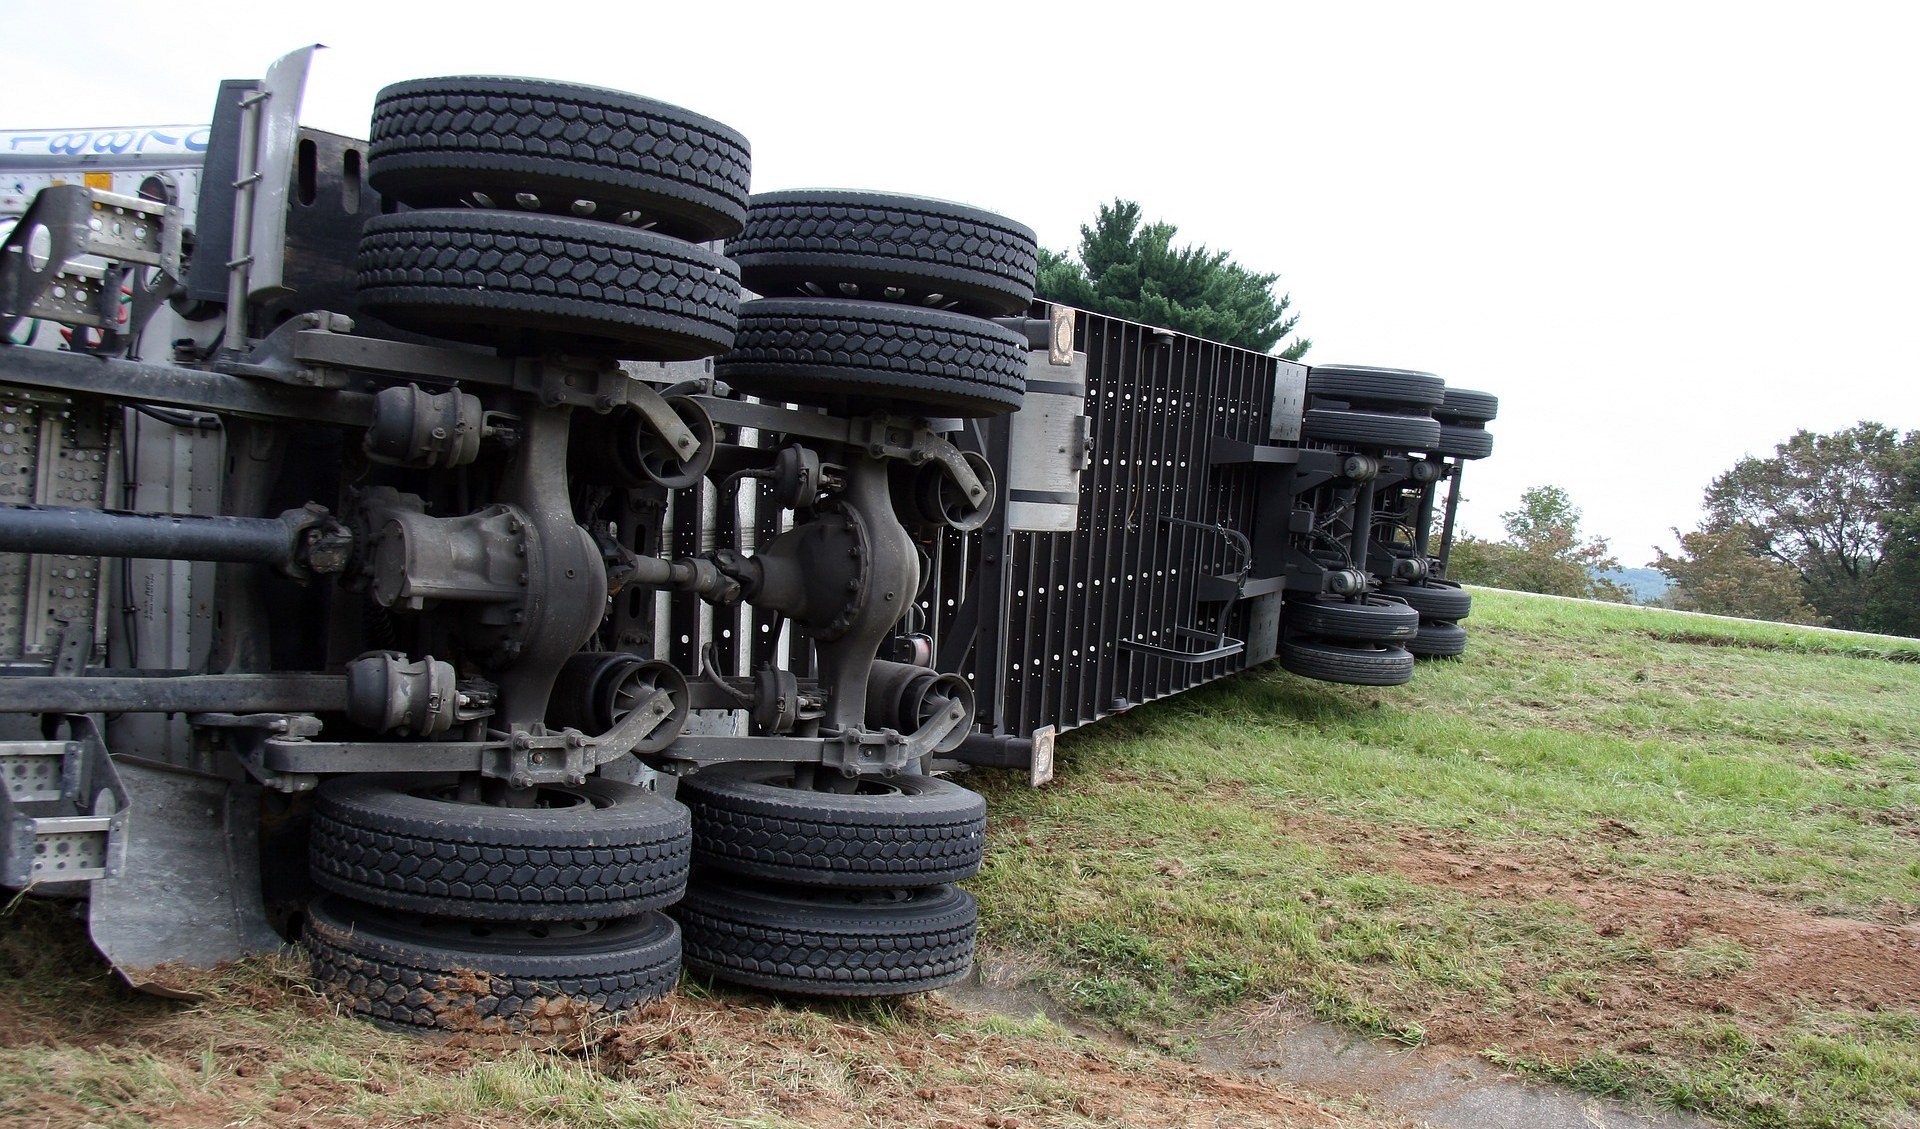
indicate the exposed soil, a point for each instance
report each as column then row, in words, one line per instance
column 1782, row 959
column 1434, row 1087
column 964, row 1078
column 923, row 1063
column 1705, row 639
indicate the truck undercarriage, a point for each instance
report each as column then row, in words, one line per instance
column 419, row 547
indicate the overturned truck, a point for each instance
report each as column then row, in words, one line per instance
column 418, row 547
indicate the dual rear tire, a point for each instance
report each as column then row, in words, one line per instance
column 880, row 302
column 830, row 893
column 449, row 917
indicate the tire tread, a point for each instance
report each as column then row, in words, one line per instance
column 483, row 276
column 689, row 172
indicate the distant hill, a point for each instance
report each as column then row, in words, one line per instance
column 1642, row 585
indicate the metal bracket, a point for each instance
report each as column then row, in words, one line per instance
column 286, row 759
column 881, row 436
column 534, row 758
column 888, row 437
column 39, row 274
column 854, row 752
column 860, row 752
column 1289, row 402
column 76, row 640
column 246, row 735
column 660, row 416
column 66, row 829
column 1217, row 644
column 325, row 341
column 275, row 111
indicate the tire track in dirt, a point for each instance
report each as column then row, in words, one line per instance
column 1786, row 961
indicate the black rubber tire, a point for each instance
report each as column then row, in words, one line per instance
column 1354, row 664
column 1370, row 429
column 1366, row 387
column 877, row 246
column 435, row 142
column 1438, row 639
column 525, row 282
column 1463, row 442
column 828, row 942
column 438, row 976
column 1373, row 619
column 1434, row 600
column 902, row 831
column 390, row 840
column 810, row 350
column 1463, row 405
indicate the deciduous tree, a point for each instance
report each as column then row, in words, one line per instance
column 1719, row 571
column 1542, row 552
column 1839, row 511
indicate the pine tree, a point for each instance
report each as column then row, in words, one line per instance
column 1135, row 272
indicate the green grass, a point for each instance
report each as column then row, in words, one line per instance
column 1839, row 1070
column 1249, row 840
column 1450, row 861
column 258, row 1048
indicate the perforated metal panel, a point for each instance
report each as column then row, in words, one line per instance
column 52, row 453
column 1062, row 618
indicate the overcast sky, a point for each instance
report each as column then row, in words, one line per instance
column 1666, row 235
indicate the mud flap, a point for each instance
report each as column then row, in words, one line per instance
column 189, row 893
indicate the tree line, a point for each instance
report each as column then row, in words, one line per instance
column 1826, row 530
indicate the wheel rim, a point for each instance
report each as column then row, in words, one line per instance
column 547, row 797
column 556, row 204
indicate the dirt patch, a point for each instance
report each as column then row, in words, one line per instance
column 257, row 1045
column 1903, row 821
column 935, row 1070
column 1691, row 951
column 1702, row 639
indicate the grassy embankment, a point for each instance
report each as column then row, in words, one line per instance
column 258, row 1048
column 1646, row 853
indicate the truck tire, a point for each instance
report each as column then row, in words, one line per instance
column 1370, row 429
column 1374, row 619
column 1353, row 664
column 523, row 281
column 1366, row 387
column 1463, row 442
column 1438, row 639
column 807, row 349
column 424, row 975
column 559, row 148
column 598, row 849
column 875, row 246
column 905, row 830
column 1434, row 600
column 828, row 942
column 1463, row 405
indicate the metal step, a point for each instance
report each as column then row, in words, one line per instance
column 63, row 812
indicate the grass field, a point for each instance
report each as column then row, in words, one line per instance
column 256, row 1047
column 1641, row 852
column 1648, row 854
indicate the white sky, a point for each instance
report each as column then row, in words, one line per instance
column 1673, row 232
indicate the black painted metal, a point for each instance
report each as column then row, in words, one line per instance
column 1060, row 615
column 108, row 533
column 116, row 692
